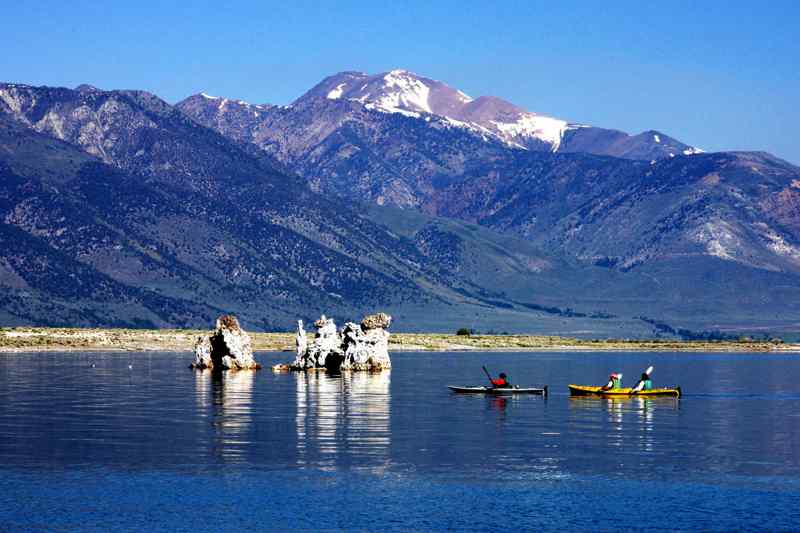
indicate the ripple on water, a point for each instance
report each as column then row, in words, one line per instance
column 144, row 445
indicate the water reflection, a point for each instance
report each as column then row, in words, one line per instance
column 646, row 409
column 58, row 410
column 619, row 419
column 501, row 404
column 343, row 419
column 202, row 388
column 228, row 396
column 724, row 458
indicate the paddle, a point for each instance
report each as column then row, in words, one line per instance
column 488, row 375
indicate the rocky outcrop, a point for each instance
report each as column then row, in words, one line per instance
column 355, row 347
column 376, row 321
column 327, row 344
column 301, row 342
column 226, row 348
column 366, row 347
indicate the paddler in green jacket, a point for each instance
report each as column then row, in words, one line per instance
column 644, row 384
column 614, row 382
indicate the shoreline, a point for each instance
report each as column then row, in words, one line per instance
column 34, row 339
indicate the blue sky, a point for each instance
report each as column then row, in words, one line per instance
column 719, row 75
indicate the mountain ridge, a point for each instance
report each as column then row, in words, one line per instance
column 189, row 208
column 703, row 211
column 396, row 159
column 402, row 91
column 116, row 190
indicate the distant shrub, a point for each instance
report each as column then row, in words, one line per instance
column 464, row 332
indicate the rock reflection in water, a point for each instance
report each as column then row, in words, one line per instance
column 343, row 420
column 228, row 397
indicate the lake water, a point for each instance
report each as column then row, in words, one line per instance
column 162, row 447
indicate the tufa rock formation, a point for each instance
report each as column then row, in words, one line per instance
column 356, row 347
column 300, row 340
column 376, row 321
column 366, row 347
column 227, row 348
column 327, row 343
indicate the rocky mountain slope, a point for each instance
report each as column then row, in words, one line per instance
column 731, row 206
column 345, row 137
column 386, row 138
column 118, row 208
column 677, row 215
column 342, row 147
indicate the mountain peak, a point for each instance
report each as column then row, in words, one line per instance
column 221, row 103
column 394, row 91
column 405, row 92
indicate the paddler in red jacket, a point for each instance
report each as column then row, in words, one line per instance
column 501, row 381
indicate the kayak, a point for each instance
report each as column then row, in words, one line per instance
column 585, row 390
column 497, row 390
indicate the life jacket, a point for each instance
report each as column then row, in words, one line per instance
column 616, row 383
column 647, row 385
column 500, row 382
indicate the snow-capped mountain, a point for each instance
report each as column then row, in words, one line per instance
column 382, row 141
column 118, row 208
column 398, row 91
column 401, row 91
column 393, row 138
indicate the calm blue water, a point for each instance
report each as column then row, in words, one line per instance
column 161, row 447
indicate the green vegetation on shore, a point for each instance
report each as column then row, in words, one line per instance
column 39, row 339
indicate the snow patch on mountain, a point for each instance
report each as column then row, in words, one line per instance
column 547, row 129
column 383, row 109
column 404, row 90
column 336, row 93
column 485, row 133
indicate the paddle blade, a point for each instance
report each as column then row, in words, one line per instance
column 649, row 370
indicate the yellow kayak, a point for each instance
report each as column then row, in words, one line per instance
column 585, row 390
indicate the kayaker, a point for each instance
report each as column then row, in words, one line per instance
column 614, row 382
column 644, row 384
column 501, row 381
